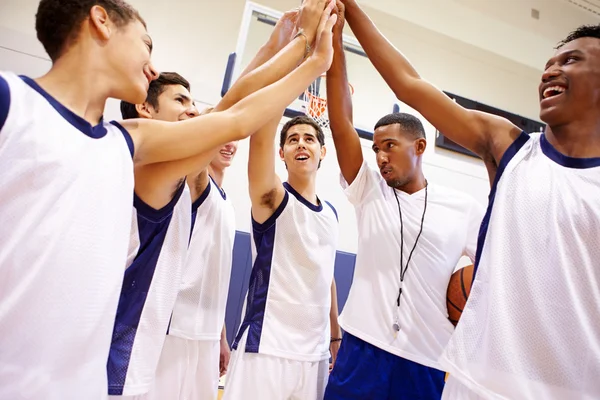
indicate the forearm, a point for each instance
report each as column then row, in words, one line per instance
column 393, row 66
column 271, row 101
column 223, row 334
column 267, row 67
column 338, row 92
column 336, row 330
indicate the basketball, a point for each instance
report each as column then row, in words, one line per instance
column 458, row 292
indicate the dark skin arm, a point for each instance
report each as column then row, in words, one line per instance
column 345, row 137
column 486, row 135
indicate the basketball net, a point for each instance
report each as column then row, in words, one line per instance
column 315, row 101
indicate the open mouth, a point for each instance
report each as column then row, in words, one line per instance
column 227, row 154
column 553, row 91
column 301, row 157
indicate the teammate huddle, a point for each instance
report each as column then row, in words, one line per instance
column 100, row 298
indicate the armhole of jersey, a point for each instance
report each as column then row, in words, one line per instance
column 4, row 101
column 153, row 214
column 271, row 220
column 334, row 210
column 512, row 150
column 127, row 137
column 200, row 200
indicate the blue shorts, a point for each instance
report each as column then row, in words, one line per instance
column 363, row 371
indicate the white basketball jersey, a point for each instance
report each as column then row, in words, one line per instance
column 199, row 312
column 289, row 296
column 531, row 326
column 149, row 291
column 451, row 221
column 65, row 192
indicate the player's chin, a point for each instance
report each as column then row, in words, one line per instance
column 134, row 94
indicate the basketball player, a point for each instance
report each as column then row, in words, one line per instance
column 412, row 234
column 282, row 347
column 530, row 329
column 189, row 365
column 67, row 185
column 158, row 248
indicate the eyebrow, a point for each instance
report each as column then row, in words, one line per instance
column 184, row 96
column 563, row 54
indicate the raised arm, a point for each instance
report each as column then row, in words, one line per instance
column 339, row 104
column 484, row 134
column 195, row 167
column 158, row 141
column 266, row 190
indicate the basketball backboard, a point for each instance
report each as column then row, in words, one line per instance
column 372, row 98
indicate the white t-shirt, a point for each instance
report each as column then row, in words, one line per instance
column 531, row 327
column 450, row 231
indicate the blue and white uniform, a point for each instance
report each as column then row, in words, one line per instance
column 282, row 347
column 158, row 250
column 189, row 363
column 531, row 327
column 66, row 189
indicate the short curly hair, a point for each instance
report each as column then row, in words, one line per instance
column 57, row 22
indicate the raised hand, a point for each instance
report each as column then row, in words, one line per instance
column 340, row 10
column 285, row 29
column 323, row 50
column 309, row 17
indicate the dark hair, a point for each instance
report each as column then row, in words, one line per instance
column 408, row 124
column 57, row 22
column 156, row 88
column 583, row 31
column 301, row 120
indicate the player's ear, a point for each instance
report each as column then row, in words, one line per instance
column 143, row 110
column 420, row 146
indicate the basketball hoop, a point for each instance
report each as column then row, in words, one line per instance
column 315, row 101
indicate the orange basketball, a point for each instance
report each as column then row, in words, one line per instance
column 458, row 292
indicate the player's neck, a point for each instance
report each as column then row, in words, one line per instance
column 579, row 139
column 417, row 183
column 74, row 81
column 217, row 174
column 305, row 186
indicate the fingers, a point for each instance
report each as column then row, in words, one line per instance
column 326, row 16
column 331, row 22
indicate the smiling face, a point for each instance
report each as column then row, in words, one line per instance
column 128, row 53
column 570, row 86
column 175, row 103
column 225, row 156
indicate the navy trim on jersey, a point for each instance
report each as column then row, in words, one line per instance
column 221, row 191
column 152, row 214
column 566, row 161
column 302, row 200
column 264, row 241
column 512, row 150
column 136, row 285
column 96, row 132
column 4, row 101
column 333, row 209
column 196, row 204
column 200, row 200
column 127, row 137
